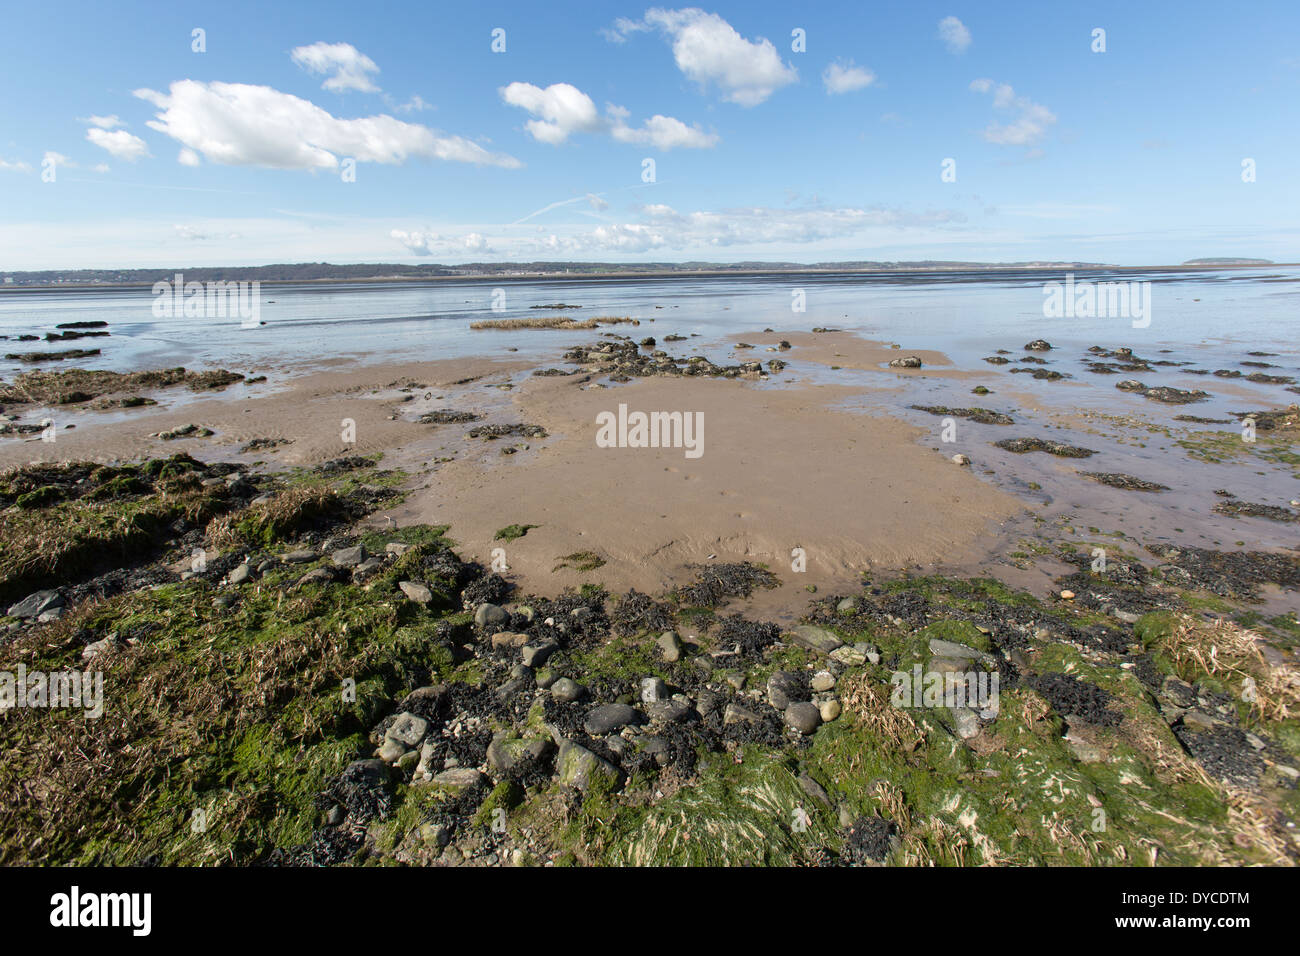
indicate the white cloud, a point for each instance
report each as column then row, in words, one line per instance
column 17, row 166
column 51, row 158
column 414, row 105
column 562, row 109
column 954, row 35
column 238, row 124
column 348, row 67
column 1026, row 128
column 596, row 202
column 99, row 168
column 118, row 142
column 104, row 122
column 427, row 243
column 420, row 243
column 845, row 77
column 709, row 50
column 661, row 132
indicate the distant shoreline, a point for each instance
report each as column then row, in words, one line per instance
column 633, row 274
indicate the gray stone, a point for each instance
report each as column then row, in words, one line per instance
column 408, row 728
column 803, row 716
column 952, row 649
column 579, row 767
column 301, row 556
column 506, row 754
column 608, row 718
column 829, row 709
column 848, row 604
column 349, row 557
column 508, row 639
column 670, row 646
column 785, row 688
column 239, row 574
column 706, row 702
column 397, row 548
column 321, row 575
column 814, row 638
column 823, row 681
column 653, row 690
column 97, row 647
column 848, row 656
column 417, row 592
column 966, row 722
column 735, row 714
column 535, row 655
column 668, row 711
column 567, row 689
column 486, row 615
column 511, row 687
column 34, row 605
column 909, row 361
column 459, row 778
column 391, row 750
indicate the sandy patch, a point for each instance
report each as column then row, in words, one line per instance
column 780, row 470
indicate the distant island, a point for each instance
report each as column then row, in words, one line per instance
column 390, row 272
column 1229, row 262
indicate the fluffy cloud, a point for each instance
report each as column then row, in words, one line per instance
column 347, row 67
column 238, row 124
column 562, row 109
column 118, row 142
column 17, row 166
column 710, row 51
column 1029, row 124
column 427, row 243
column 661, row 132
column 104, row 122
column 844, row 77
column 420, row 243
column 954, row 35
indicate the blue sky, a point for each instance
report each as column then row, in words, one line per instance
column 163, row 156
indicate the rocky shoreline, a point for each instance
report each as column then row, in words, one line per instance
column 293, row 677
column 318, row 691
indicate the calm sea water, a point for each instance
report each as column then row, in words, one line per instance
column 963, row 314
